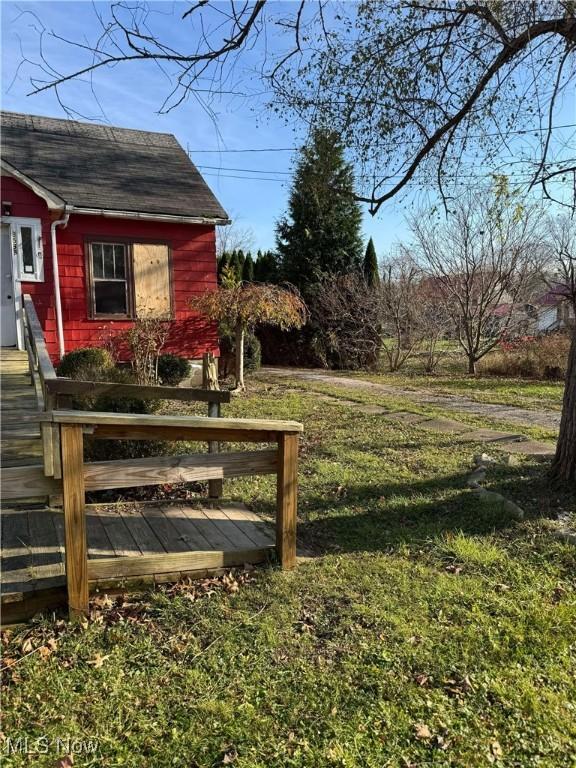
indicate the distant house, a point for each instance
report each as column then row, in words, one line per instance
column 554, row 312
column 103, row 225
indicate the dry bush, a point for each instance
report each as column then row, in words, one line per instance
column 141, row 344
column 542, row 357
column 346, row 321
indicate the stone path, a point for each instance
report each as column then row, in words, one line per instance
column 522, row 416
column 511, row 442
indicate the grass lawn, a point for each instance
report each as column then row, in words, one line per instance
column 432, row 630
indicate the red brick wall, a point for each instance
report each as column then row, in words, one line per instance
column 194, row 271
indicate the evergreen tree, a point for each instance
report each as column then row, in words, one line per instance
column 222, row 264
column 248, row 269
column 241, row 259
column 370, row 268
column 235, row 265
column 258, row 267
column 321, row 233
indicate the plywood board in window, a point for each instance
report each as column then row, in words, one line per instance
column 151, row 280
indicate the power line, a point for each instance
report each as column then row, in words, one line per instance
column 523, row 132
column 226, row 169
column 513, row 177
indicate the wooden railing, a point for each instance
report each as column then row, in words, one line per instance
column 53, row 392
column 66, row 475
column 43, row 373
column 79, row 477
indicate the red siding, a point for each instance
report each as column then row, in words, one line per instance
column 194, row 270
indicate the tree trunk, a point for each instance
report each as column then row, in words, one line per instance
column 471, row 366
column 564, row 464
column 239, row 358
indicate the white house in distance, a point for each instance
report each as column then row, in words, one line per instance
column 554, row 312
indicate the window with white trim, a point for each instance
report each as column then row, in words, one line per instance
column 27, row 247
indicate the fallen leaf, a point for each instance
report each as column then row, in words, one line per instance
column 229, row 756
column 98, row 661
column 455, row 569
column 496, row 750
column 422, row 731
column 558, row 594
column 44, row 652
column 421, row 680
column 65, row 762
column 27, row 646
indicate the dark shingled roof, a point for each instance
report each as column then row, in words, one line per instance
column 114, row 169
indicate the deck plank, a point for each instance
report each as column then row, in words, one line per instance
column 258, row 530
column 15, row 536
column 16, row 552
column 142, row 532
column 20, row 444
column 156, row 541
column 217, row 539
column 48, row 569
column 164, row 529
column 120, row 537
column 187, row 528
column 98, row 540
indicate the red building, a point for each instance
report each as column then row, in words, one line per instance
column 103, row 225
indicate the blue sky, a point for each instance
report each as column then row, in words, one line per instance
column 252, row 186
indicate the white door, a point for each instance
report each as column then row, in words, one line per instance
column 7, row 300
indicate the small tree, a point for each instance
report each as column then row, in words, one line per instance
column 266, row 268
column 235, row 265
column 370, row 266
column 400, row 311
column 481, row 260
column 223, row 262
column 243, row 306
column 321, row 233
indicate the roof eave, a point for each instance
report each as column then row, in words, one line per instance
column 146, row 216
column 54, row 202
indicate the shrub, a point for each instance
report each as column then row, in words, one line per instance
column 172, row 369
column 97, row 365
column 345, row 318
column 110, row 450
column 252, row 352
column 87, row 364
column 141, row 345
column 529, row 357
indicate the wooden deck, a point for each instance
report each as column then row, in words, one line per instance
column 177, row 539
column 21, row 443
column 50, row 556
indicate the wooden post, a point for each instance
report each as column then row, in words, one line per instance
column 48, row 438
column 287, row 499
column 71, row 441
column 210, row 381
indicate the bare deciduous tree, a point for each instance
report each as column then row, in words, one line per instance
column 414, row 87
column 234, row 237
column 480, row 261
column 400, row 310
